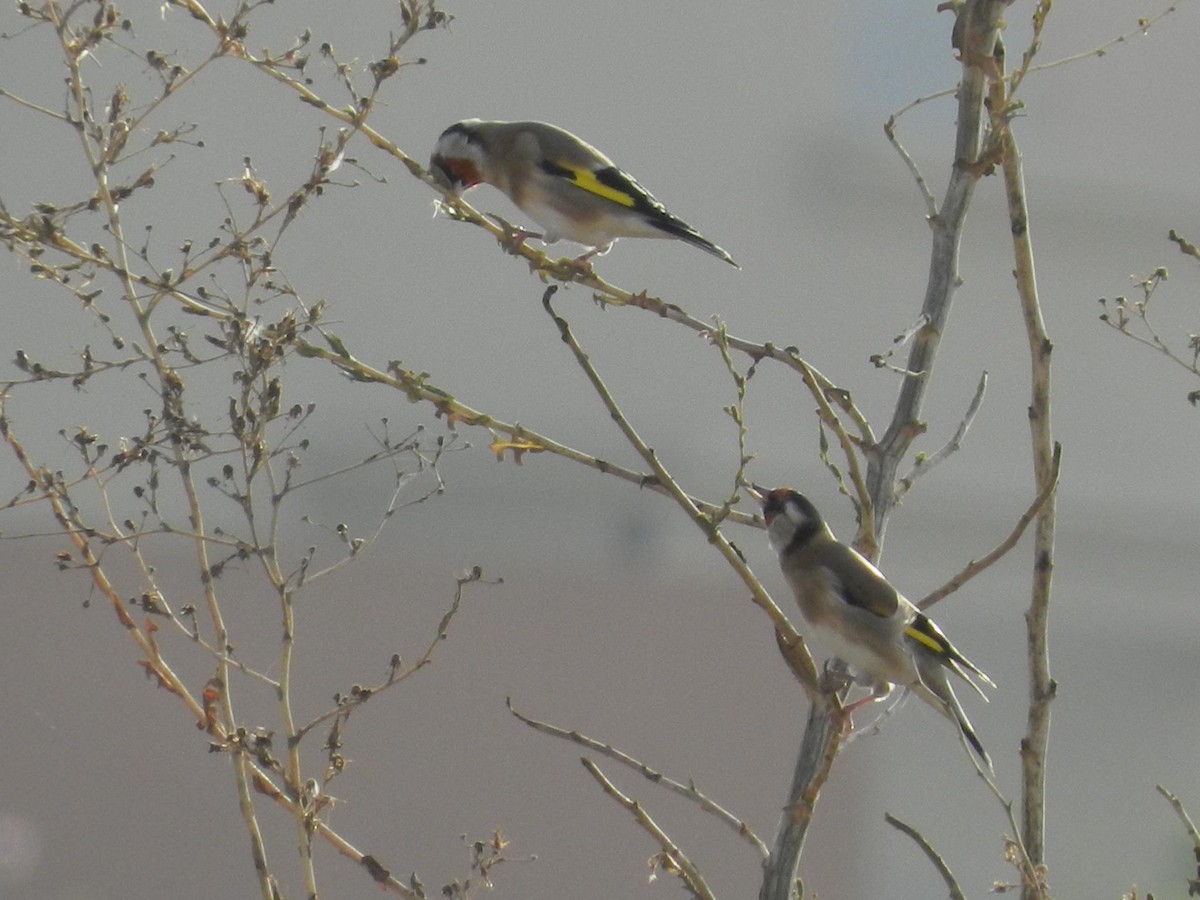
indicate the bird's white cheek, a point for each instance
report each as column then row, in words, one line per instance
column 779, row 535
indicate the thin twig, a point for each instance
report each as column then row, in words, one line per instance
column 398, row 673
column 33, row 106
column 1120, row 316
column 1033, row 875
column 154, row 597
column 980, row 19
column 865, row 539
column 102, row 143
column 975, row 566
column 737, row 412
column 416, row 387
column 360, row 545
column 689, row 790
column 1177, row 805
column 672, row 859
column 889, row 129
column 382, row 876
column 1193, row 884
column 1041, row 9
column 1143, row 28
column 807, row 672
column 79, row 535
column 923, row 465
column 903, row 339
column 934, row 857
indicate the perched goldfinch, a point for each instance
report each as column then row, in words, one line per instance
column 853, row 612
column 565, row 185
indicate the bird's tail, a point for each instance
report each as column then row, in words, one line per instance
column 936, row 690
column 677, row 228
column 924, row 631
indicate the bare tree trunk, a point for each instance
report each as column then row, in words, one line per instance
column 976, row 30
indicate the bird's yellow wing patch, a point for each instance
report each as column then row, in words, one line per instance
column 928, row 640
column 588, row 180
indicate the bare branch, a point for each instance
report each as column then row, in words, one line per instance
column 976, row 35
column 689, row 790
column 889, row 129
column 1177, row 805
column 974, row 567
column 520, row 439
column 924, row 464
column 1042, row 687
column 397, row 671
column 672, row 859
column 737, row 412
column 934, row 857
column 1143, row 27
column 375, row 869
column 1124, row 311
column 808, row 672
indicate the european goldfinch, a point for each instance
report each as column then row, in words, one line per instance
column 565, row 185
column 855, row 613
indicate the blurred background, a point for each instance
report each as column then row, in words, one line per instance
column 762, row 126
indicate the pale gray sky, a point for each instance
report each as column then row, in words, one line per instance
column 761, row 125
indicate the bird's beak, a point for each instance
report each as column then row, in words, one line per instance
column 441, row 173
column 758, row 492
column 453, row 174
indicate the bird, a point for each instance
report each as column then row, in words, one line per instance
column 567, row 186
column 853, row 611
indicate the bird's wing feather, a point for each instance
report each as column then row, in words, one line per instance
column 925, row 631
column 857, row 582
column 609, row 183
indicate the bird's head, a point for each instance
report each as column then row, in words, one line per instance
column 788, row 514
column 458, row 157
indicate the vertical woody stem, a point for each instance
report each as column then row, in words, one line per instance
column 1042, row 686
column 976, row 30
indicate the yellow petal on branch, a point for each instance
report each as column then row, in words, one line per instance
column 518, row 447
